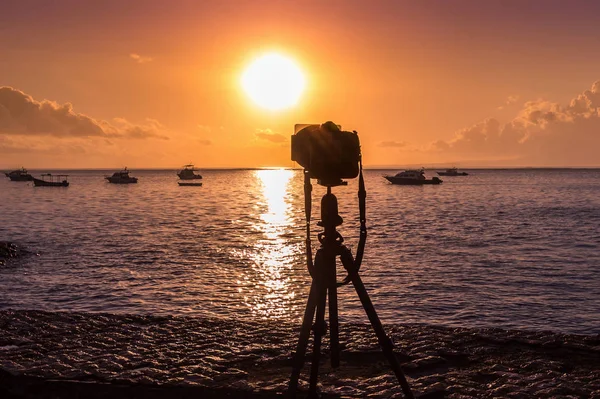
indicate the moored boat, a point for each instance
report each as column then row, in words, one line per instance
column 452, row 172
column 121, row 177
column 189, row 184
column 412, row 177
column 187, row 173
column 50, row 180
column 19, row 175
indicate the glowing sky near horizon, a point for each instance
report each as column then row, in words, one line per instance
column 157, row 84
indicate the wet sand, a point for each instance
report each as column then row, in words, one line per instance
column 54, row 354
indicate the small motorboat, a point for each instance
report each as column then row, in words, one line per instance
column 50, row 180
column 187, row 173
column 121, row 177
column 412, row 177
column 189, row 184
column 452, row 172
column 19, row 175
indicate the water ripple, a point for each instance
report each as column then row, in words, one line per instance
column 512, row 249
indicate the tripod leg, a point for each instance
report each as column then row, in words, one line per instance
column 334, row 324
column 298, row 361
column 386, row 344
column 319, row 330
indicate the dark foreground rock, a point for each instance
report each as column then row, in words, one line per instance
column 8, row 250
column 73, row 355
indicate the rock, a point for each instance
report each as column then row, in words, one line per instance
column 8, row 250
column 436, row 391
column 129, row 354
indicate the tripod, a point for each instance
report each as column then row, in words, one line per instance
column 324, row 284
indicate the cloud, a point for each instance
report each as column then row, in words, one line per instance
column 542, row 133
column 440, row 145
column 8, row 146
column 267, row 134
column 512, row 99
column 40, row 147
column 396, row 144
column 150, row 128
column 205, row 129
column 20, row 114
column 509, row 101
column 140, row 59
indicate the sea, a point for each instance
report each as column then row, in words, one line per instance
column 514, row 248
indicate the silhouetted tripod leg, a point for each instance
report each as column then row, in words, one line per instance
column 386, row 344
column 298, row 361
column 319, row 330
column 334, row 325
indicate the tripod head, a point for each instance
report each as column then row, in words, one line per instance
column 330, row 220
column 331, row 183
column 330, row 217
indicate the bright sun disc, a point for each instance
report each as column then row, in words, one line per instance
column 273, row 82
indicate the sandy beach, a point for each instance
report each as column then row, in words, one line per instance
column 55, row 354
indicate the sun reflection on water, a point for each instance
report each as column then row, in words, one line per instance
column 267, row 290
column 275, row 190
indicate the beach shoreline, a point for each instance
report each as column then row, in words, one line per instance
column 253, row 358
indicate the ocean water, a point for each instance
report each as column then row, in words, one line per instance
column 499, row 248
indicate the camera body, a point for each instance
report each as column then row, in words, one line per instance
column 328, row 153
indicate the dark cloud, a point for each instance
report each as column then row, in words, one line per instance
column 20, row 114
column 205, row 142
column 542, row 133
column 397, row 144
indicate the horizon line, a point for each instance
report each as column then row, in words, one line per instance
column 374, row 167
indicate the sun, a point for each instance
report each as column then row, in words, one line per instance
column 273, row 82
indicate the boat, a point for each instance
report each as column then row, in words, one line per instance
column 452, row 172
column 121, row 177
column 19, row 175
column 412, row 177
column 50, row 180
column 189, row 184
column 187, row 173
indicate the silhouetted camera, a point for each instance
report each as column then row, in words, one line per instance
column 328, row 153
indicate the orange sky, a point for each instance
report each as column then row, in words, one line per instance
column 157, row 84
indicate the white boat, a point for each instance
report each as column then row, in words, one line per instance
column 412, row 177
column 187, row 173
column 121, row 177
column 19, row 175
column 452, row 172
